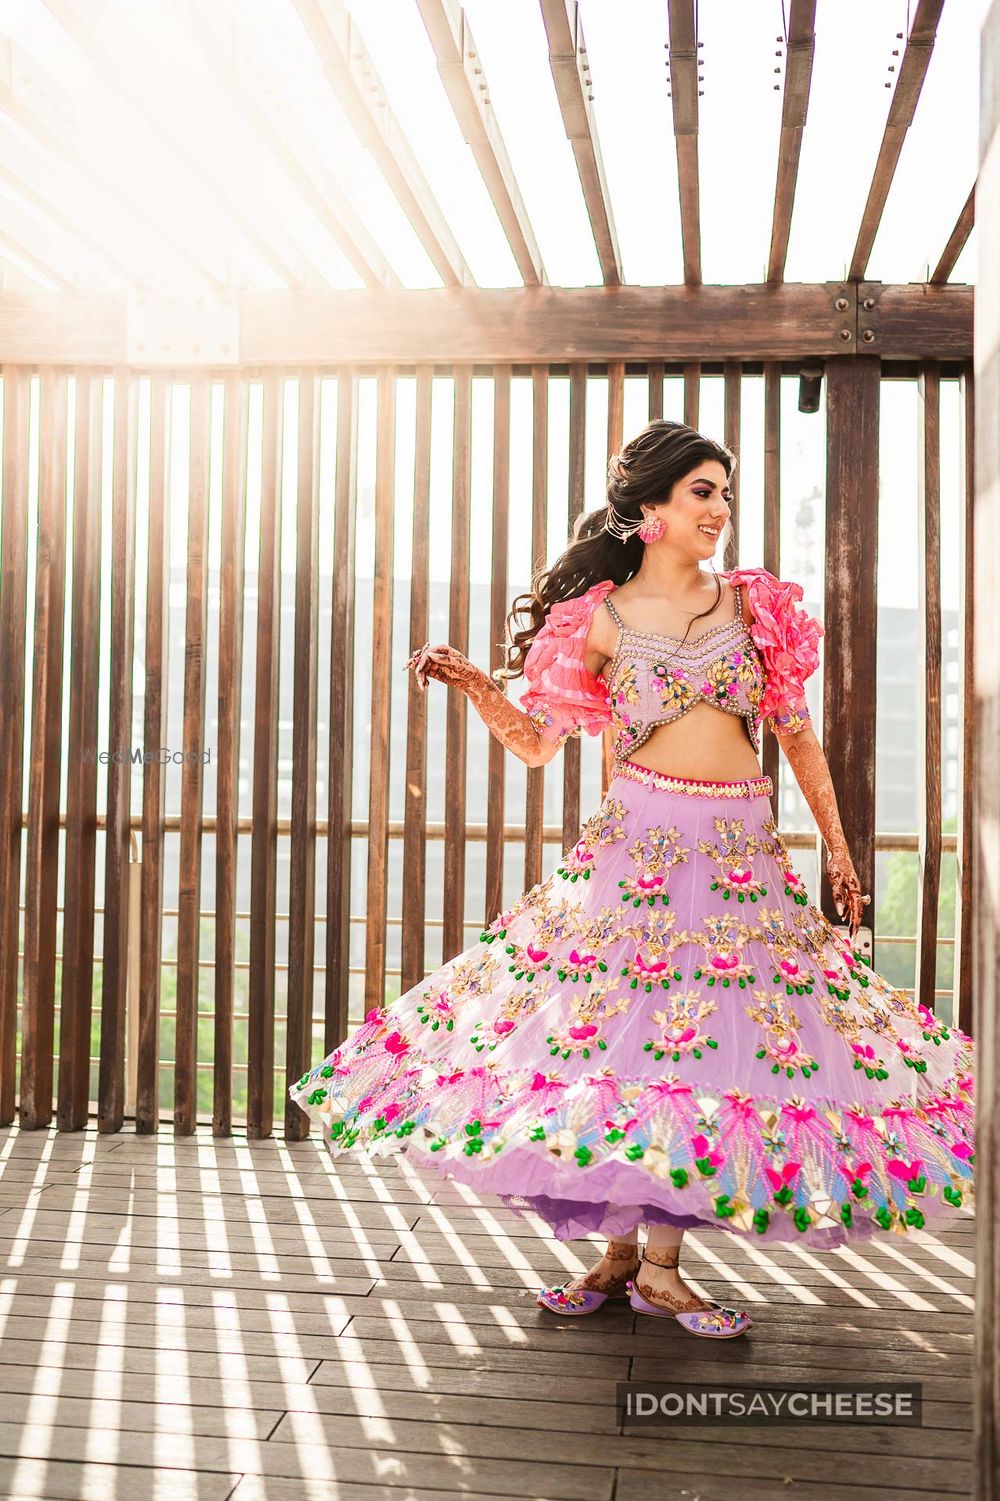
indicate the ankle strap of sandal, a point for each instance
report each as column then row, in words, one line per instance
column 662, row 1258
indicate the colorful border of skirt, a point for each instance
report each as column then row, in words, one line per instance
column 665, row 1030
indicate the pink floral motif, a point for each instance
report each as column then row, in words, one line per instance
column 787, row 1175
column 647, row 972
column 905, row 1170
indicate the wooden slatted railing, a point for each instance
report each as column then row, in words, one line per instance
column 55, row 527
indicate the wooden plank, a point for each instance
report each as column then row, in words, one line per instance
column 232, row 585
column 655, row 379
column 302, row 845
column 117, row 841
column 913, row 67
column 41, row 879
column 192, row 771
column 615, row 435
column 928, row 679
column 264, row 839
column 965, row 781
column 692, row 393
column 496, row 772
column 985, row 776
column 850, row 611
column 340, row 780
column 769, row 759
column 957, row 240
column 378, row 771
column 576, row 486
column 733, row 399
column 353, row 77
column 799, row 48
column 616, row 405
column 683, row 89
column 571, row 76
column 76, row 997
column 517, row 325
column 534, row 782
column 414, row 905
column 464, row 79
column 13, row 625
column 888, row 317
column 154, row 775
column 453, row 930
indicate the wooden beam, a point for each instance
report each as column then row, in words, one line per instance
column 794, row 107
column 156, row 661
column 304, row 168
column 912, row 72
column 232, row 591
column 414, row 908
column 928, row 680
column 683, row 55
column 377, row 898
column 464, row 79
column 301, row 977
column 14, row 531
column 264, row 793
column 541, row 325
column 118, row 798
column 353, row 78
column 896, row 321
column 956, row 240
column 571, row 76
column 76, row 997
column 849, row 615
column 985, row 788
column 339, row 845
column 496, row 770
column 965, row 841
column 267, row 241
column 456, row 706
column 41, row 877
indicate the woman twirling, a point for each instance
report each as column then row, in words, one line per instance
column 665, row 1032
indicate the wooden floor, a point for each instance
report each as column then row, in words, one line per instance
column 204, row 1319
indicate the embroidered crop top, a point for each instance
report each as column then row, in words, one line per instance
column 754, row 670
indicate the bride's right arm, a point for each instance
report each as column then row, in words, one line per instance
column 513, row 727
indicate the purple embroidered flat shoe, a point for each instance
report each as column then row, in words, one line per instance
column 713, row 1322
column 574, row 1300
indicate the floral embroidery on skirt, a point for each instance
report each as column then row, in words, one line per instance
column 666, row 1030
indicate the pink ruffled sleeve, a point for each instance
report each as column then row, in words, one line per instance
column 786, row 636
column 562, row 697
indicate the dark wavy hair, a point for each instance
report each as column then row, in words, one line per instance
column 646, row 471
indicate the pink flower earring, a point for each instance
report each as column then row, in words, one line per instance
column 652, row 529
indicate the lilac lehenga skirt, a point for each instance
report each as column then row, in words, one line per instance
column 665, row 1030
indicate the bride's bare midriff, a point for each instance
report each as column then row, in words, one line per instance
column 706, row 744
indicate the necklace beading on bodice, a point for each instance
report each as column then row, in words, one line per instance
column 649, row 685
